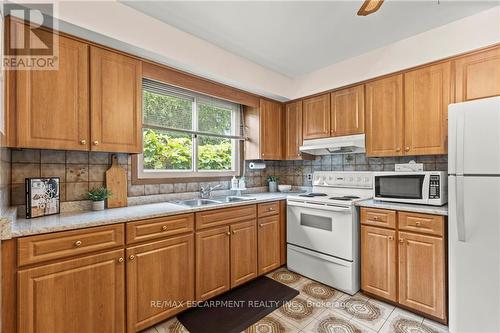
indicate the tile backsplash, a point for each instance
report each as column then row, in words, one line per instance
column 80, row 171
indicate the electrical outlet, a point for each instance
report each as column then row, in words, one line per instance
column 309, row 177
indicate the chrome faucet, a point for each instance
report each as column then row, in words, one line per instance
column 206, row 192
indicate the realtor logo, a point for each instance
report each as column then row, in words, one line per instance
column 31, row 43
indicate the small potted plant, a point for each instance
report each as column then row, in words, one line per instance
column 273, row 183
column 97, row 195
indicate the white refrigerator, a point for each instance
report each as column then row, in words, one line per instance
column 474, row 216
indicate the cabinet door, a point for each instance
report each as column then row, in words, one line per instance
column 477, row 75
column 427, row 95
column 212, row 262
column 384, row 117
column 116, row 102
column 316, row 117
column 53, row 105
column 348, row 111
column 378, row 262
column 269, row 243
column 422, row 273
column 293, row 130
column 80, row 295
column 161, row 271
column 270, row 130
column 243, row 252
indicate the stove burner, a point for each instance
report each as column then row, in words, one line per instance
column 312, row 195
column 345, row 198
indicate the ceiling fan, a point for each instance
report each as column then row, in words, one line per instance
column 369, row 7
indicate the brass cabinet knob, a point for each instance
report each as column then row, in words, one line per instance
column 407, row 148
column 261, row 225
column 234, row 232
column 78, row 243
column 82, row 142
column 417, row 223
column 120, row 259
column 271, row 208
column 164, row 228
column 228, row 233
column 401, row 240
column 95, row 143
column 299, row 155
column 375, row 218
column 132, row 257
column 398, row 149
column 391, row 238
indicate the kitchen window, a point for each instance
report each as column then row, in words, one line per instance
column 188, row 135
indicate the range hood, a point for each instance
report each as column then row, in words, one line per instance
column 335, row 145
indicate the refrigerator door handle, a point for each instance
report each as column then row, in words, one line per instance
column 460, row 143
column 460, row 211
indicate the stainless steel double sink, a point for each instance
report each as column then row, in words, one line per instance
column 214, row 201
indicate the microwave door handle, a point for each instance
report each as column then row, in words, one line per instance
column 460, row 210
column 318, row 206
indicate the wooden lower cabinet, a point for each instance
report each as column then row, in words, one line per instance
column 243, row 252
column 157, row 272
column 80, row 295
column 269, row 245
column 212, row 262
column 422, row 273
column 378, row 262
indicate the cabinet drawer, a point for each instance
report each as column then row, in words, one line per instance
column 267, row 209
column 212, row 218
column 422, row 223
column 68, row 243
column 378, row 217
column 159, row 227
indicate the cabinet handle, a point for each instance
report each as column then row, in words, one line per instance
column 298, row 155
column 262, row 154
column 95, row 143
column 375, row 218
column 261, row 225
column 164, row 228
column 398, row 149
column 120, row 259
column 401, row 240
column 391, row 238
column 417, row 223
column 228, row 233
column 407, row 148
column 132, row 257
column 271, row 208
column 82, row 142
column 78, row 243
column 234, row 232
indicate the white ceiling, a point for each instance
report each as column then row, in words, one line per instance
column 297, row 37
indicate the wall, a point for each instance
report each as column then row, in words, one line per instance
column 80, row 171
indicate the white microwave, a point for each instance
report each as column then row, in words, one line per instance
column 421, row 187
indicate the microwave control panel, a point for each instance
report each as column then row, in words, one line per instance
column 434, row 187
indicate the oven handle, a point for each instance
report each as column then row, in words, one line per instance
column 314, row 205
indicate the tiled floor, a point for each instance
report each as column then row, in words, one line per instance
column 321, row 309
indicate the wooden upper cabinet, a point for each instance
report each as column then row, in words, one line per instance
column 293, row 130
column 269, row 243
column 477, row 75
column 378, row 263
column 263, row 128
column 348, row 111
column 212, row 262
column 427, row 95
column 271, row 125
column 316, row 117
column 384, row 116
column 79, row 295
column 243, row 252
column 116, row 102
column 162, row 270
column 422, row 278
column 52, row 106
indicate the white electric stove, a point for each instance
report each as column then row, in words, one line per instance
column 323, row 229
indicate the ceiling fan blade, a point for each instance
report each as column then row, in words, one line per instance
column 369, row 6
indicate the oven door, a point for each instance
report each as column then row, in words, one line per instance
column 323, row 228
column 411, row 188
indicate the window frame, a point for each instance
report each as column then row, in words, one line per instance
column 158, row 176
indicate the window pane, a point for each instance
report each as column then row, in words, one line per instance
column 214, row 119
column 167, row 110
column 165, row 150
column 214, row 153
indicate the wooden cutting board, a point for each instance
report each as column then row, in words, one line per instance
column 116, row 182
